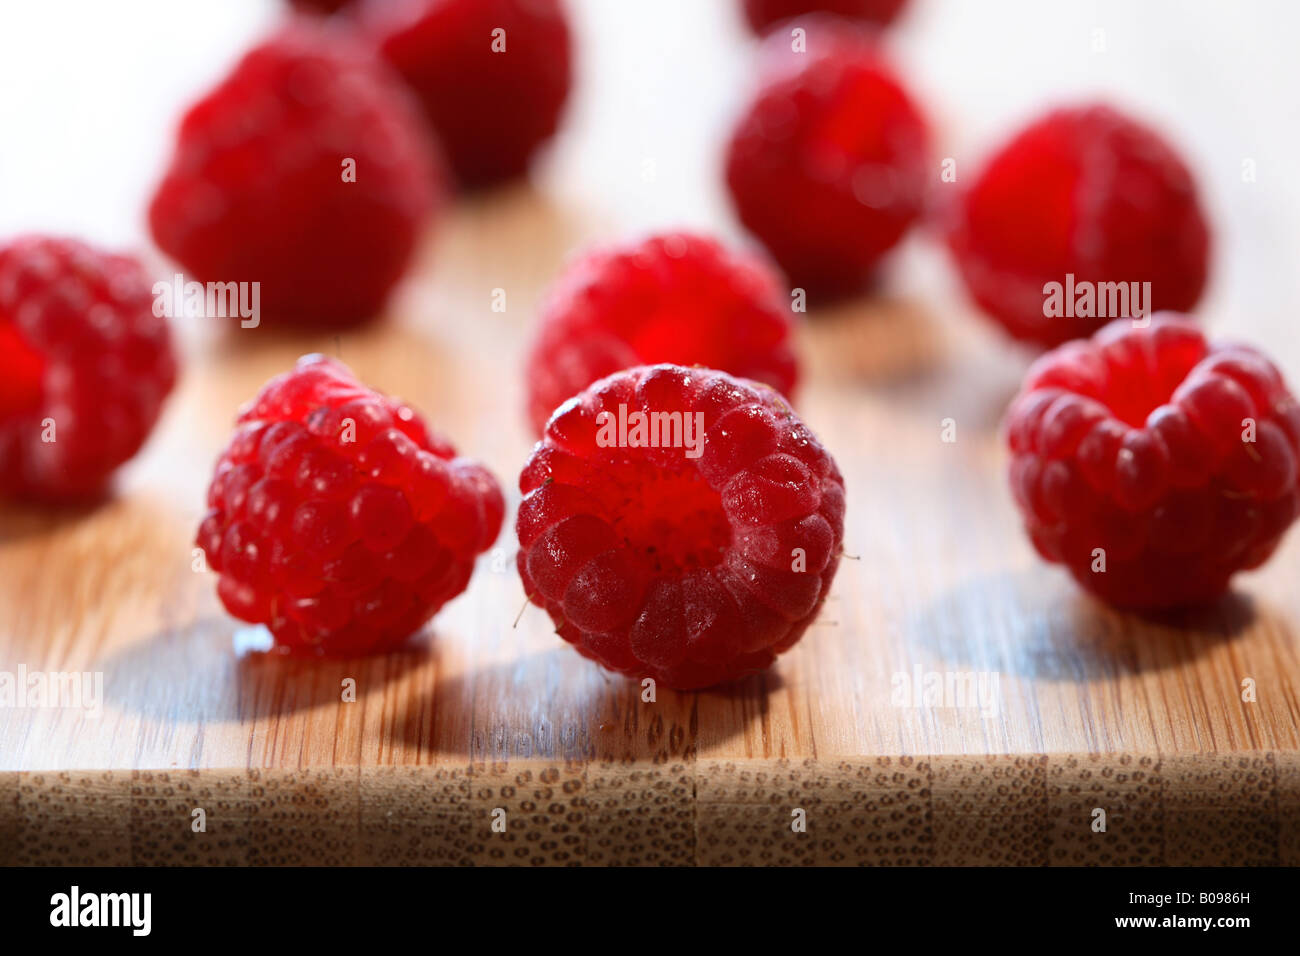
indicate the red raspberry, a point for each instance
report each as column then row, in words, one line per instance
column 320, row 6
column 337, row 519
column 1139, row 442
column 761, row 14
column 676, row 298
column 686, row 569
column 828, row 166
column 256, row 189
column 491, row 109
column 84, row 366
column 1084, row 191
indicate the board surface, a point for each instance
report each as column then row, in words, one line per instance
column 488, row 710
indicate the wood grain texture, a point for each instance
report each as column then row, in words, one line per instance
column 1140, row 717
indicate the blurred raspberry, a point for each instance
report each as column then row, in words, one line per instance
column 674, row 297
column 85, row 365
column 337, row 519
column 1175, row 457
column 1084, row 191
column 256, row 190
column 762, row 14
column 828, row 165
column 320, row 6
column 658, row 562
column 492, row 75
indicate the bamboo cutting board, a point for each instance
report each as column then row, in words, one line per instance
column 1093, row 709
column 482, row 719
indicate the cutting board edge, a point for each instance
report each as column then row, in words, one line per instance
column 1015, row 809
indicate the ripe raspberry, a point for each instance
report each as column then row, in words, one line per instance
column 1175, row 457
column 320, row 6
column 84, row 366
column 493, row 97
column 257, row 190
column 337, row 519
column 676, row 298
column 690, row 570
column 762, row 14
column 1084, row 191
column 828, row 166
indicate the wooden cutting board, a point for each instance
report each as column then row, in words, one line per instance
column 1091, row 709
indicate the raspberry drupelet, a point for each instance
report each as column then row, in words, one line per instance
column 1084, row 191
column 827, row 168
column 338, row 519
column 259, row 188
column 1153, row 464
column 85, row 366
column 692, row 562
column 675, row 297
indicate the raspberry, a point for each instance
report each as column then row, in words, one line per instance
column 828, row 165
column 676, row 298
column 320, row 6
column 1083, row 191
column 656, row 561
column 337, row 519
column 762, row 14
column 1175, row 457
column 257, row 191
column 84, row 367
column 491, row 106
